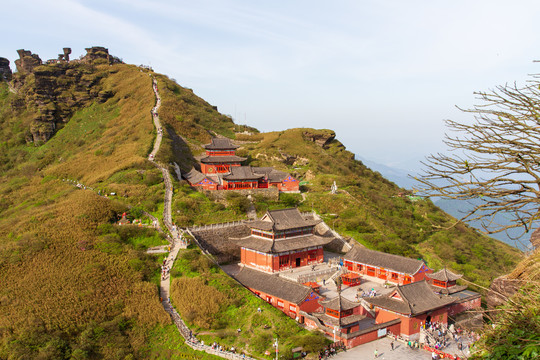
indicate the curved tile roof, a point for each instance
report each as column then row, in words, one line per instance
column 444, row 275
column 383, row 260
column 411, row 299
column 273, row 285
column 222, row 159
column 221, row 144
column 282, row 245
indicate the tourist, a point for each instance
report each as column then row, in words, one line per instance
column 392, row 345
column 376, row 354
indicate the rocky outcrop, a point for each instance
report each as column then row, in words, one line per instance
column 99, row 55
column 65, row 55
column 500, row 290
column 54, row 91
column 527, row 272
column 5, row 70
column 27, row 61
column 321, row 138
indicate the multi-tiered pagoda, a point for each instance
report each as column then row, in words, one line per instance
column 282, row 240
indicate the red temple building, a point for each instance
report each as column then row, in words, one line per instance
column 348, row 322
column 444, row 282
column 282, row 240
column 392, row 268
column 351, row 279
column 414, row 304
column 290, row 297
column 220, row 157
column 221, row 169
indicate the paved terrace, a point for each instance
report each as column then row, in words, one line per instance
column 367, row 351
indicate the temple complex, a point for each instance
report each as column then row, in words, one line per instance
column 222, row 169
column 405, row 293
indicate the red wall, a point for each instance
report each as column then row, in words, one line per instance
column 411, row 325
column 310, row 304
column 270, row 263
column 288, row 184
column 464, row 306
column 386, row 274
column 212, row 169
column 365, row 338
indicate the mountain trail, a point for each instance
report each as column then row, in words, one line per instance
column 177, row 242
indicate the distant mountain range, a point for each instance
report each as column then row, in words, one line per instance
column 456, row 208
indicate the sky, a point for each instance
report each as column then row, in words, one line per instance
column 383, row 75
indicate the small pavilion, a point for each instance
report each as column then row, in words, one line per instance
column 444, row 281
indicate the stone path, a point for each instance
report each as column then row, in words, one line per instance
column 177, row 242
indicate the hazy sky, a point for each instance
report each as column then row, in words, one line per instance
column 383, row 74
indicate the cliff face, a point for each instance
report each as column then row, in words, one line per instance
column 5, row 70
column 54, row 91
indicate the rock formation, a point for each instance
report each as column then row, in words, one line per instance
column 27, row 61
column 99, row 55
column 5, row 70
column 65, row 55
column 56, row 90
column 500, row 290
column 323, row 139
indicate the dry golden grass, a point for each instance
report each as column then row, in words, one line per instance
column 128, row 137
column 52, row 273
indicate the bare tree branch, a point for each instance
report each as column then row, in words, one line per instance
column 495, row 160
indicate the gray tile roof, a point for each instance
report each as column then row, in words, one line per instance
column 273, row 285
column 416, row 298
column 344, row 321
column 445, row 275
column 222, row 159
column 194, row 176
column 448, row 291
column 282, row 245
column 273, row 175
column 383, row 260
column 339, row 303
column 282, row 220
column 221, row 144
column 242, row 173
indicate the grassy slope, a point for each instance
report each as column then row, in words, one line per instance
column 73, row 285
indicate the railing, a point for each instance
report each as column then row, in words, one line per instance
column 217, row 226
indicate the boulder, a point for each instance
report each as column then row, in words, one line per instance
column 500, row 290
